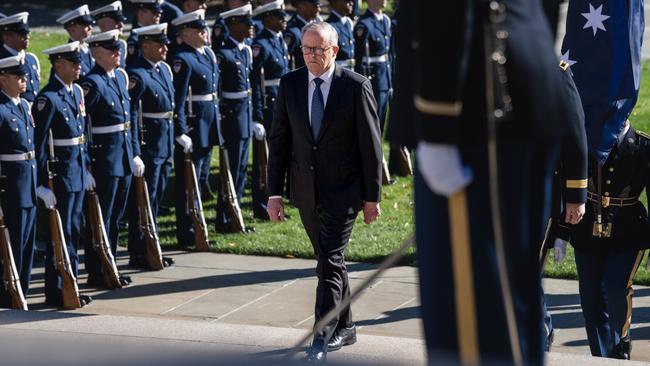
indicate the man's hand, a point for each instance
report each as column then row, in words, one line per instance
column 46, row 195
column 138, row 165
column 275, row 209
column 185, row 142
column 258, row 131
column 90, row 182
column 574, row 213
column 371, row 212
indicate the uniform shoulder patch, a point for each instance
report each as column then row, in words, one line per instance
column 41, row 102
column 130, row 49
column 217, row 30
column 178, row 65
column 87, row 86
column 360, row 29
column 256, row 50
column 133, row 82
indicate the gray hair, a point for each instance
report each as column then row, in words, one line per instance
column 324, row 29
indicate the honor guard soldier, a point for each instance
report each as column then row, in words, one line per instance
column 270, row 62
column 306, row 11
column 169, row 13
column 152, row 102
column 189, row 6
column 59, row 113
column 219, row 30
column 196, row 113
column 235, row 60
column 17, row 168
column 610, row 241
column 110, row 17
column 484, row 173
column 148, row 12
column 78, row 23
column 15, row 39
column 340, row 19
column 114, row 145
column 372, row 38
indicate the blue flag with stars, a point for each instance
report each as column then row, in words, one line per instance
column 603, row 47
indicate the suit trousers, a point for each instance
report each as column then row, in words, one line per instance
column 525, row 186
column 70, row 206
column 184, row 228
column 605, row 283
column 112, row 193
column 329, row 235
column 20, row 223
column 156, row 173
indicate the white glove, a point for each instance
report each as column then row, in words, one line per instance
column 46, row 195
column 559, row 247
column 90, row 181
column 138, row 164
column 185, row 142
column 259, row 131
column 442, row 168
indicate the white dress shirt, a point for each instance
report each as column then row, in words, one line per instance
column 68, row 87
column 324, row 87
column 15, row 101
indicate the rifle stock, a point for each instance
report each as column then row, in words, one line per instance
column 153, row 253
column 228, row 194
column 404, row 159
column 262, row 152
column 100, row 241
column 385, row 174
column 9, row 271
column 195, row 206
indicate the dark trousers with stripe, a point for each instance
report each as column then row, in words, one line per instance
column 70, row 206
column 605, row 279
column 463, row 310
column 184, row 228
column 20, row 223
column 329, row 235
column 156, row 173
column 113, row 193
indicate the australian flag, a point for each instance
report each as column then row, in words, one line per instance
column 603, row 47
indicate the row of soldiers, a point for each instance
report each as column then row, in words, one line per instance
column 115, row 113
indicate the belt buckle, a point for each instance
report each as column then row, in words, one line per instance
column 29, row 155
column 127, row 125
column 607, row 230
column 605, row 201
column 82, row 139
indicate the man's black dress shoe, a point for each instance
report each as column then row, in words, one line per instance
column 316, row 355
column 168, row 261
column 342, row 337
column 125, row 280
column 85, row 300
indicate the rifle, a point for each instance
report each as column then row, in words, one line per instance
column 228, row 194
column 9, row 271
column 404, row 160
column 153, row 253
column 195, row 206
column 385, row 174
column 69, row 288
column 100, row 240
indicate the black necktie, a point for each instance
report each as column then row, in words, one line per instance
column 317, row 108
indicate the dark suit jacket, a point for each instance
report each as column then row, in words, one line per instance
column 339, row 169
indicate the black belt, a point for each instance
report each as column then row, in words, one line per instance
column 607, row 201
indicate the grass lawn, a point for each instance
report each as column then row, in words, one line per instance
column 369, row 243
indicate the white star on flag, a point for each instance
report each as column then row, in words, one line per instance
column 566, row 58
column 595, row 19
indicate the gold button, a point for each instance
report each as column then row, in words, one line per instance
column 606, row 193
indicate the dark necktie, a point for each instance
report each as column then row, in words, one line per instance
column 317, row 108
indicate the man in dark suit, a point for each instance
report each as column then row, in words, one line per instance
column 325, row 126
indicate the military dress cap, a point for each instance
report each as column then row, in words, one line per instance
column 112, row 10
column 296, row 2
column 14, row 65
column 80, row 15
column 109, row 40
column 155, row 32
column 69, row 51
column 241, row 14
column 15, row 23
column 195, row 19
column 155, row 5
column 276, row 8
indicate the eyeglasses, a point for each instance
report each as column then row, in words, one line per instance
column 318, row 51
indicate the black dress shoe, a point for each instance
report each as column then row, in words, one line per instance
column 342, row 337
column 168, row 261
column 316, row 355
column 138, row 262
column 85, row 300
column 623, row 350
column 125, row 280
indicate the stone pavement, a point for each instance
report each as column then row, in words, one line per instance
column 209, row 306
